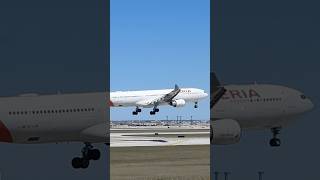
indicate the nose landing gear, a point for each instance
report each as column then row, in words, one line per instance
column 88, row 153
column 196, row 105
column 275, row 142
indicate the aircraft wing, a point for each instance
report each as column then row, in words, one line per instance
column 168, row 97
column 160, row 99
column 217, row 90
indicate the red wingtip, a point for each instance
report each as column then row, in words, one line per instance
column 111, row 103
column 5, row 135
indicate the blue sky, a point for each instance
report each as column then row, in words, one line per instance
column 273, row 42
column 155, row 44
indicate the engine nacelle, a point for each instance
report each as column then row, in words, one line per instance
column 224, row 132
column 178, row 103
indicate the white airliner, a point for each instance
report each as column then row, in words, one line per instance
column 154, row 98
column 31, row 118
column 253, row 106
column 82, row 117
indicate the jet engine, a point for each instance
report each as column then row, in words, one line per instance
column 225, row 132
column 178, row 103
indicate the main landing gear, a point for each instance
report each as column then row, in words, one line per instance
column 275, row 142
column 154, row 111
column 136, row 111
column 88, row 153
column 196, row 105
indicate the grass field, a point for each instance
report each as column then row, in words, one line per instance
column 160, row 163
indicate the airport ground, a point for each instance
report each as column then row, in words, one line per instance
column 191, row 162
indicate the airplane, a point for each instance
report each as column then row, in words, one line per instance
column 77, row 117
column 34, row 119
column 154, row 98
column 253, row 106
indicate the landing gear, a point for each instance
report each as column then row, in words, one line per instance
column 136, row 111
column 196, row 105
column 80, row 163
column 275, row 142
column 88, row 153
column 154, row 111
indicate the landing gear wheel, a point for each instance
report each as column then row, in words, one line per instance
column 94, row 154
column 85, row 163
column 138, row 110
column 275, row 142
column 196, row 105
column 134, row 113
column 76, row 162
column 88, row 153
column 156, row 110
column 152, row 113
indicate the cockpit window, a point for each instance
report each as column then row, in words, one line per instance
column 303, row 96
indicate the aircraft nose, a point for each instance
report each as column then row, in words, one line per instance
column 205, row 95
column 309, row 105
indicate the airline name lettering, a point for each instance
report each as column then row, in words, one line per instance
column 234, row 94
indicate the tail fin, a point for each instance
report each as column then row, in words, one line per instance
column 216, row 90
column 215, row 84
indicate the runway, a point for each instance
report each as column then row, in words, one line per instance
column 159, row 136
